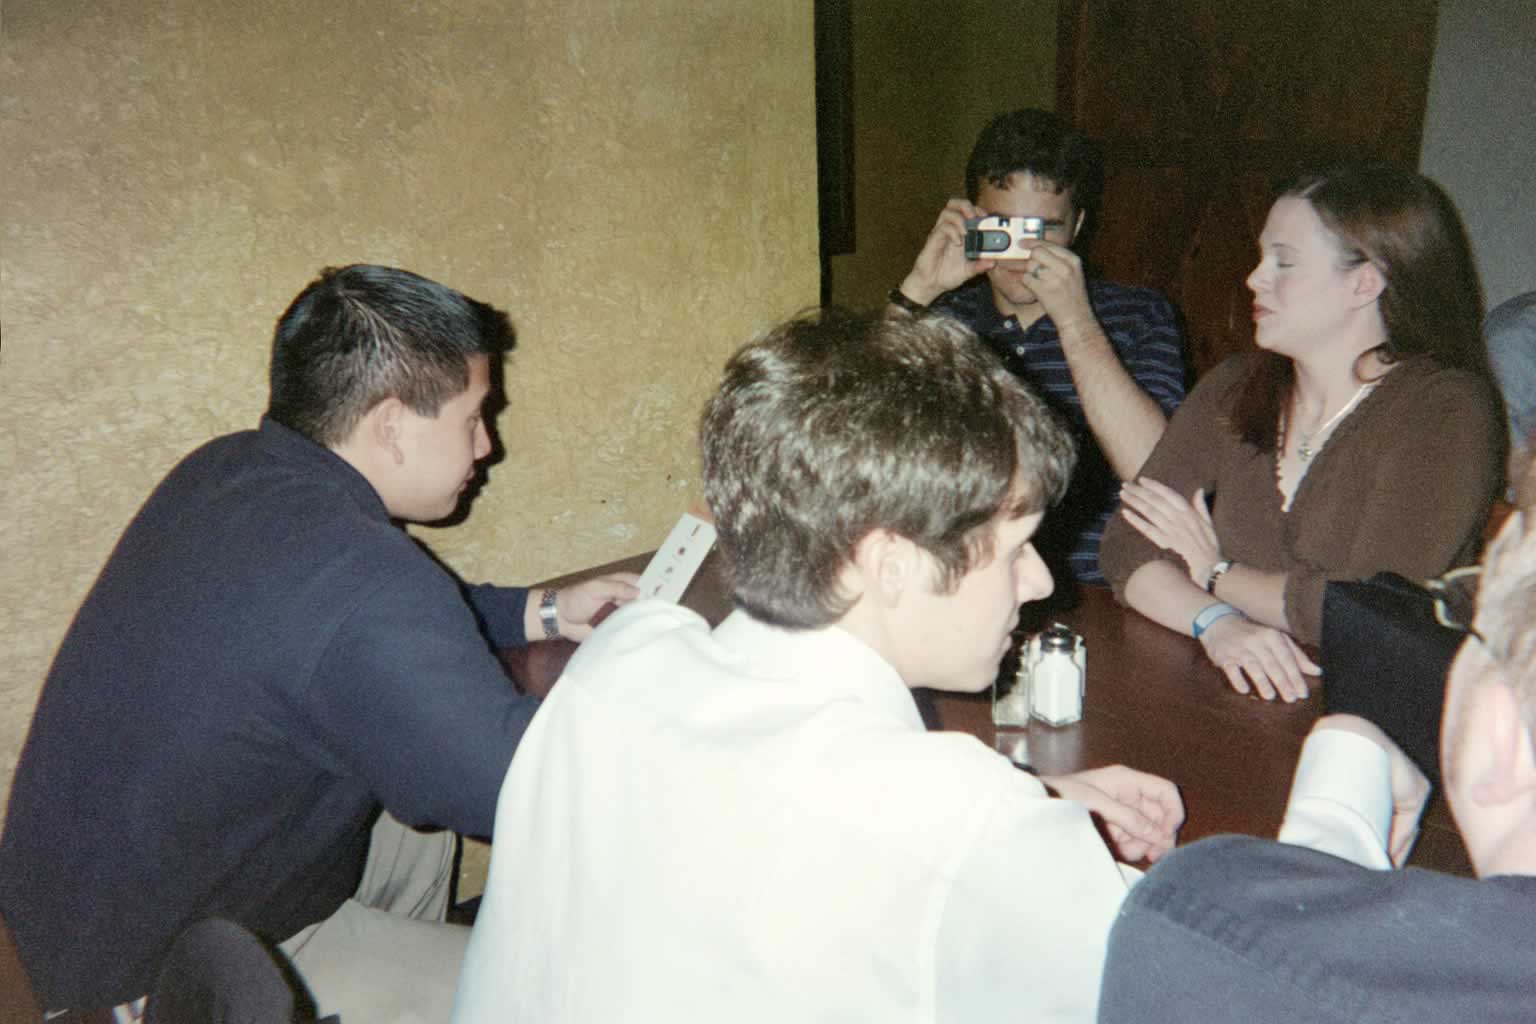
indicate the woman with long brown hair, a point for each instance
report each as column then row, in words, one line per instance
column 1363, row 436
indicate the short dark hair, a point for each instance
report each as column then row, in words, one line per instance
column 1407, row 227
column 1039, row 143
column 833, row 425
column 360, row 334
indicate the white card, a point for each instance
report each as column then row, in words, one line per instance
column 675, row 562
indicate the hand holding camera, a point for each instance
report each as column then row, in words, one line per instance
column 942, row 264
column 966, row 241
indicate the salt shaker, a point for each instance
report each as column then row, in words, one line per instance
column 1056, row 682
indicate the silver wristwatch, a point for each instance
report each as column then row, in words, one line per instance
column 549, row 615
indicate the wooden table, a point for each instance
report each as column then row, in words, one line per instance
column 1153, row 701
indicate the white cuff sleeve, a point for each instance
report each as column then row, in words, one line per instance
column 1341, row 799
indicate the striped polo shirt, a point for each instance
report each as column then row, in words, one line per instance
column 1144, row 330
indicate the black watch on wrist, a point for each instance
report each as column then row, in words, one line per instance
column 897, row 297
column 1218, row 570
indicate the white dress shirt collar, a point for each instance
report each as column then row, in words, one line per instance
column 842, row 664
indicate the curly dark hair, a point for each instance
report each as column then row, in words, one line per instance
column 1039, row 143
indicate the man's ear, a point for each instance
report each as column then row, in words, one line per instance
column 1077, row 225
column 887, row 564
column 1369, row 284
column 383, row 426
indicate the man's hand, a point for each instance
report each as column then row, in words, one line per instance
column 1258, row 657
column 1142, row 813
column 1410, row 789
column 1056, row 278
column 1174, row 523
column 578, row 604
column 941, row 264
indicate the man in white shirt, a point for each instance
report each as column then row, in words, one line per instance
column 1317, row 927
column 751, row 823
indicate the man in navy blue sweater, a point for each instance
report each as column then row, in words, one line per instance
column 268, row 661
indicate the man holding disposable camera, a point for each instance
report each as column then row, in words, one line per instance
column 1111, row 358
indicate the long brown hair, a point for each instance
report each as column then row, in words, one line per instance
column 1431, row 303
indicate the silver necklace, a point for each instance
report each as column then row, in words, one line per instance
column 1304, row 449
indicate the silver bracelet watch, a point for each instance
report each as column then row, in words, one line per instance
column 549, row 615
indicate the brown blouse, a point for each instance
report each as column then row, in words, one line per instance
column 1405, row 484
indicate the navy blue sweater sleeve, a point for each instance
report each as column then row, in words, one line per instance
column 1233, row 928
column 408, row 697
column 500, row 611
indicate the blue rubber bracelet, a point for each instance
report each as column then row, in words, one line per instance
column 1209, row 614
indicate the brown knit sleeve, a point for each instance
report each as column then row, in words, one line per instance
column 1187, row 458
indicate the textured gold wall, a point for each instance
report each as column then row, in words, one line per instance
column 634, row 182
column 927, row 78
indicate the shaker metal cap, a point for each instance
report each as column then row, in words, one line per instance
column 1057, row 638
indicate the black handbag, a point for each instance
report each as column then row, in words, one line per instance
column 1385, row 658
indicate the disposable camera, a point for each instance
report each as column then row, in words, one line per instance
column 1002, row 238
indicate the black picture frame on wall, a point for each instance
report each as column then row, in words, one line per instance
column 834, row 133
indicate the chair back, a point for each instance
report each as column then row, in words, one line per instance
column 217, row 972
